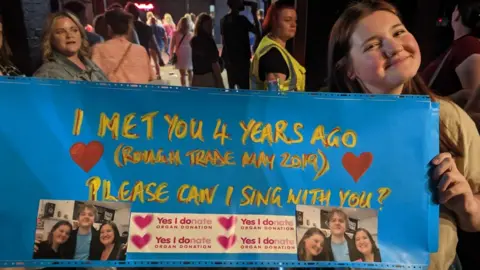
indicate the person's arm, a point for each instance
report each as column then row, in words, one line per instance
column 473, row 102
column 459, row 180
column 213, row 56
column 172, row 46
column 255, row 29
column 469, row 72
column 217, row 75
column 273, row 66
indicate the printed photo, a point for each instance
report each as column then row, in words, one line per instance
column 81, row 230
column 337, row 234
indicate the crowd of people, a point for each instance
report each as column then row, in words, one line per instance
column 82, row 243
column 370, row 51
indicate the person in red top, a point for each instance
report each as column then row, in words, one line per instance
column 456, row 73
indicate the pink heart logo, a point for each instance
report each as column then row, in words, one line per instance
column 227, row 223
column 141, row 241
column 227, row 242
column 143, row 222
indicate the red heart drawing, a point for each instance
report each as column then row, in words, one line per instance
column 357, row 166
column 141, row 241
column 227, row 223
column 86, row 156
column 227, row 242
column 143, row 222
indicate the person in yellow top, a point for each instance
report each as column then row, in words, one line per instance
column 272, row 61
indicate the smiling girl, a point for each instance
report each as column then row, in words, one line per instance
column 371, row 51
column 53, row 247
column 366, row 246
column 312, row 245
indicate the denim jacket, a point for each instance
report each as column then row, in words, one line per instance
column 60, row 67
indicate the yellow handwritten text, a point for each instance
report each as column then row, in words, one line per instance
column 150, row 192
column 252, row 196
column 124, row 155
column 180, row 129
column 188, row 193
column 304, row 160
column 355, row 199
column 259, row 132
column 258, row 160
column 334, row 137
column 113, row 125
column 220, row 132
column 214, row 158
column 315, row 196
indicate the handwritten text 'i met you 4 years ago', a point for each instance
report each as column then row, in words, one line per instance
column 126, row 126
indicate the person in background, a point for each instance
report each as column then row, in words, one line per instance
column 133, row 37
column 191, row 23
column 121, row 60
column 84, row 241
column 66, row 51
column 7, row 68
column 100, row 27
column 143, row 31
column 272, row 63
column 456, row 73
column 112, row 248
column 194, row 19
column 340, row 247
column 170, row 28
column 312, row 246
column 181, row 50
column 54, row 246
column 366, row 246
column 205, row 56
column 79, row 10
column 236, row 51
column 161, row 38
column 261, row 16
column 371, row 51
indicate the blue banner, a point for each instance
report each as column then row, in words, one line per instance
column 98, row 174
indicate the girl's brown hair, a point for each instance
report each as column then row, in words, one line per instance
column 5, row 52
column 302, row 253
column 339, row 61
column 183, row 26
column 202, row 18
column 47, row 35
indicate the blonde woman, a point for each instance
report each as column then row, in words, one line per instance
column 182, row 52
column 66, row 51
column 170, row 28
column 189, row 18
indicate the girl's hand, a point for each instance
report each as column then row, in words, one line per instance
column 453, row 189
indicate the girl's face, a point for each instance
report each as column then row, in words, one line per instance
column 363, row 243
column 61, row 234
column 337, row 224
column 314, row 244
column 66, row 36
column 107, row 235
column 384, row 55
